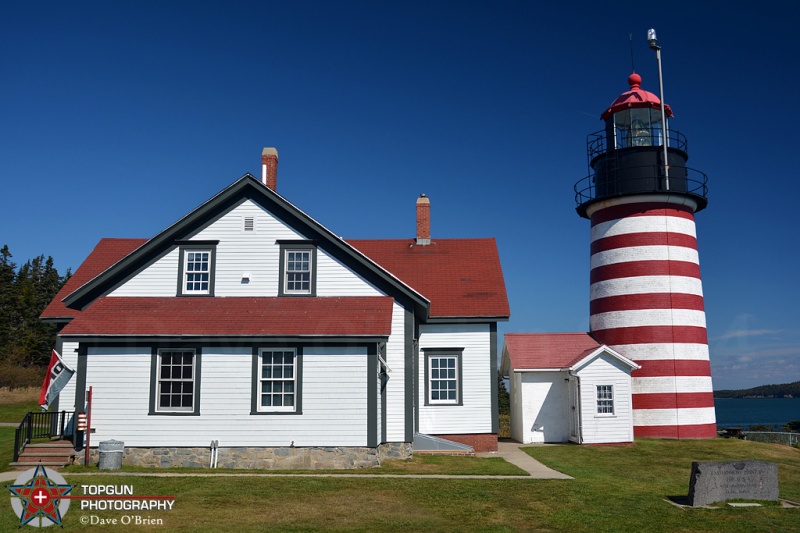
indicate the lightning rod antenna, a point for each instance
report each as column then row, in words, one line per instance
column 630, row 39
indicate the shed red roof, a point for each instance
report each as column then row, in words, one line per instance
column 460, row 277
column 548, row 350
column 106, row 253
column 361, row 316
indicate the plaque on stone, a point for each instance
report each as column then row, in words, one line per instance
column 713, row 482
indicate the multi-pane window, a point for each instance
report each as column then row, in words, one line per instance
column 277, row 381
column 605, row 400
column 298, row 272
column 197, row 271
column 176, row 381
column 443, row 379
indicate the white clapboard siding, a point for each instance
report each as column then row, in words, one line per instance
column 160, row 278
column 238, row 252
column 603, row 428
column 544, row 406
column 334, row 400
column 395, row 387
column 475, row 415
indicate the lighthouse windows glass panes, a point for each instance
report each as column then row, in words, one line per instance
column 638, row 127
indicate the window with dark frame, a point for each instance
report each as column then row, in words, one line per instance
column 298, row 272
column 196, row 265
column 277, row 380
column 297, row 268
column 176, row 381
column 443, row 378
column 197, row 271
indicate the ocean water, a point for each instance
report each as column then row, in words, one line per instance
column 744, row 412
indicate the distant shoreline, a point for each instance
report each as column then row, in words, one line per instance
column 754, row 397
column 784, row 390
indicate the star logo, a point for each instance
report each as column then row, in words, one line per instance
column 38, row 494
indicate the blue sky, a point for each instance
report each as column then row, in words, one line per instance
column 120, row 117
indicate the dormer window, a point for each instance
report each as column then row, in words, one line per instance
column 196, row 276
column 298, row 269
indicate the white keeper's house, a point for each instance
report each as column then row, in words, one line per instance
column 249, row 323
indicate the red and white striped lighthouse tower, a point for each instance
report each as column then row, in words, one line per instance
column 646, row 296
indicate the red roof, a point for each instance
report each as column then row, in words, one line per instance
column 106, row 253
column 635, row 97
column 361, row 316
column 460, row 277
column 548, row 350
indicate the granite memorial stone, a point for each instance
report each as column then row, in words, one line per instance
column 713, row 482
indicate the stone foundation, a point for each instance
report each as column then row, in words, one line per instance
column 311, row 458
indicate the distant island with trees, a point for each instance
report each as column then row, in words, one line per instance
column 785, row 390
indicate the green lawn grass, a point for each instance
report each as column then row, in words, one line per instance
column 615, row 489
column 6, row 447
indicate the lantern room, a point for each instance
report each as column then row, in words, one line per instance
column 627, row 157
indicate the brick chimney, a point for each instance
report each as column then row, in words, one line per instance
column 423, row 220
column 269, row 168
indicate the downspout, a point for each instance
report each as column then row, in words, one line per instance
column 578, row 414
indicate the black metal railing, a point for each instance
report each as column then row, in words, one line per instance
column 642, row 180
column 597, row 144
column 42, row 426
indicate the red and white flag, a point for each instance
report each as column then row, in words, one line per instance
column 58, row 374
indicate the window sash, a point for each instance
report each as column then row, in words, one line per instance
column 176, row 381
column 277, row 380
column 605, row 399
column 297, row 275
column 197, row 272
column 443, row 382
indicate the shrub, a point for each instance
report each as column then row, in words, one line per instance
column 15, row 377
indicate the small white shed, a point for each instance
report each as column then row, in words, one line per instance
column 567, row 387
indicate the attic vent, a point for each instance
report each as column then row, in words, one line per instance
column 249, row 224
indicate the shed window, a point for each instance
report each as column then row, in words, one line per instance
column 605, row 399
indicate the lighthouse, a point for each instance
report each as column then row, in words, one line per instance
column 646, row 296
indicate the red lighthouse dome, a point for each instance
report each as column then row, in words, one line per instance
column 637, row 98
column 646, row 296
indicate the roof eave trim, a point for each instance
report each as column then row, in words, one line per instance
column 466, row 319
column 596, row 353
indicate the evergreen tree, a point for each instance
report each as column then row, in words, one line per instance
column 503, row 397
column 7, row 299
column 25, row 340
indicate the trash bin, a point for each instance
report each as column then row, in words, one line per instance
column 111, row 452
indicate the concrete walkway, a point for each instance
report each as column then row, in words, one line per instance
column 510, row 451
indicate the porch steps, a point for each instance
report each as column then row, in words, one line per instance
column 53, row 454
